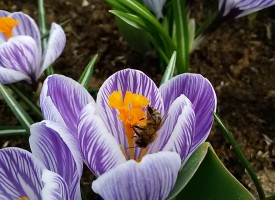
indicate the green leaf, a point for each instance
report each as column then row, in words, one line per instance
column 169, row 72
column 17, row 110
column 214, row 182
column 189, row 169
column 12, row 131
column 88, row 72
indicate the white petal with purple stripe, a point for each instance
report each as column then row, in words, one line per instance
column 152, row 178
column 67, row 97
column 100, row 149
column 8, row 76
column 201, row 94
column 59, row 151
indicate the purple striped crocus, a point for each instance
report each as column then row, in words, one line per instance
column 107, row 130
column 21, row 56
column 155, row 6
column 24, row 177
column 239, row 8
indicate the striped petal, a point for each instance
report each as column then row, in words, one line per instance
column 155, row 6
column 55, row 187
column 67, row 99
column 125, row 80
column 20, row 174
column 239, row 8
column 20, row 54
column 201, row 94
column 100, row 149
column 178, row 129
column 8, row 76
column 59, row 151
column 152, row 178
column 27, row 27
column 54, row 48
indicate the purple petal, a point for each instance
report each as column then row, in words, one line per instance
column 100, row 149
column 55, row 46
column 178, row 129
column 28, row 27
column 201, row 94
column 59, row 151
column 20, row 54
column 55, row 187
column 8, row 76
column 20, row 174
column 155, row 6
column 67, row 97
column 125, row 80
column 152, row 178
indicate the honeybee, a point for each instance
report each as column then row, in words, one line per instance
column 145, row 135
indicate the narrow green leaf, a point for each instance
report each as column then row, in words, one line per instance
column 169, row 72
column 189, row 169
column 88, row 72
column 17, row 110
column 182, row 34
column 12, row 131
column 245, row 163
column 213, row 181
column 26, row 99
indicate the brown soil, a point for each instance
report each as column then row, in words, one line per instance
column 238, row 59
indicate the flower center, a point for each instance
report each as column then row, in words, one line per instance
column 131, row 112
column 23, row 198
column 6, row 26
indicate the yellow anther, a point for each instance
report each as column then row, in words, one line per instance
column 22, row 198
column 6, row 26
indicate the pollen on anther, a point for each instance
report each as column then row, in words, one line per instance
column 6, row 26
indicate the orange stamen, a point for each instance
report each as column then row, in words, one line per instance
column 6, row 26
column 22, row 198
column 131, row 112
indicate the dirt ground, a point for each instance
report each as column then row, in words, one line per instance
column 238, row 59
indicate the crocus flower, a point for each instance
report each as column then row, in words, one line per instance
column 108, row 129
column 155, row 6
column 238, row 8
column 24, row 177
column 21, row 56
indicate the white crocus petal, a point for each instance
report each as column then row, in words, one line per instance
column 67, row 96
column 178, row 130
column 152, row 178
column 155, row 6
column 19, row 53
column 59, row 151
column 55, row 187
column 20, row 174
column 54, row 48
column 8, row 76
column 100, row 149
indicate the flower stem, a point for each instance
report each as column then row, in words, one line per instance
column 244, row 162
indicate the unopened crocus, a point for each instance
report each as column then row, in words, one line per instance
column 21, row 56
column 24, row 177
column 155, row 6
column 109, row 128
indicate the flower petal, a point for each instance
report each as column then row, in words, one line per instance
column 27, row 27
column 20, row 174
column 67, row 97
column 155, row 6
column 3, row 13
column 125, row 80
column 8, row 76
column 54, row 48
column 203, row 97
column 152, row 178
column 20, row 54
column 100, row 149
column 55, row 187
column 178, row 129
column 59, row 151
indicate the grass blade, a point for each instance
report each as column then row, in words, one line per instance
column 169, row 72
column 12, row 131
column 88, row 72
